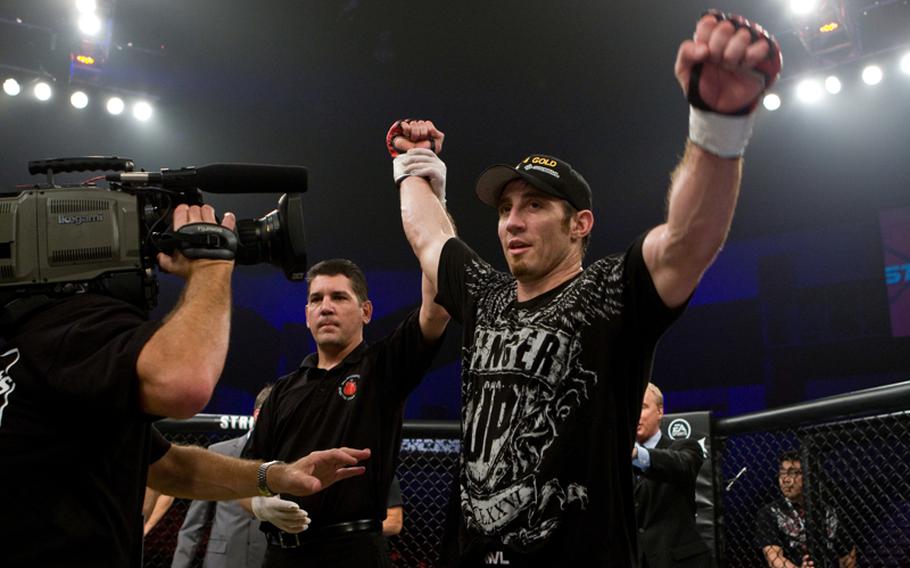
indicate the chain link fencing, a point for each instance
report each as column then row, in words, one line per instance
column 852, row 461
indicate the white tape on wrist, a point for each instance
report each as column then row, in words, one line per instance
column 725, row 136
column 398, row 169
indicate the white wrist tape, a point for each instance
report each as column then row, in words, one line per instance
column 725, row 136
column 431, row 168
column 399, row 169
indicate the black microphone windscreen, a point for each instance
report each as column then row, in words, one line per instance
column 250, row 178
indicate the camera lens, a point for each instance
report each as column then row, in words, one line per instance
column 277, row 238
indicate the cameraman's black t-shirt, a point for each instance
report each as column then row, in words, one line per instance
column 359, row 403
column 74, row 444
column 551, row 395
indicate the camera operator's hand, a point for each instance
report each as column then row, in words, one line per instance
column 184, row 214
column 180, row 364
column 316, row 471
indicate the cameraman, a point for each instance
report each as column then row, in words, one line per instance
column 81, row 380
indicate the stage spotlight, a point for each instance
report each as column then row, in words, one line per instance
column 802, row 7
column 809, row 91
column 872, row 75
column 86, row 6
column 115, row 105
column 833, row 84
column 771, row 101
column 11, row 87
column 79, row 99
column 89, row 24
column 142, row 111
column 43, row 91
column 905, row 63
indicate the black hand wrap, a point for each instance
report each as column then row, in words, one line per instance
column 395, row 131
column 769, row 68
column 200, row 240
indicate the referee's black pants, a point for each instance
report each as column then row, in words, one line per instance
column 360, row 550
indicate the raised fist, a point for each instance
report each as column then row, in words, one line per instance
column 411, row 133
column 728, row 64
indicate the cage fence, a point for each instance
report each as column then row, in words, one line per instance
column 855, row 477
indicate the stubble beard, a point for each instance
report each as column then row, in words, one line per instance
column 519, row 269
column 522, row 268
column 329, row 340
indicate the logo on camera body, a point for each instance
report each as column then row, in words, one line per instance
column 79, row 219
column 348, row 387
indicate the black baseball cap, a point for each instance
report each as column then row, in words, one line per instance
column 546, row 173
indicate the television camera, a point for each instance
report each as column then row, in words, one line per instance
column 57, row 241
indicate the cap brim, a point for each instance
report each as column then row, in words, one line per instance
column 493, row 179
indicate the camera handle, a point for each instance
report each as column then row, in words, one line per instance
column 83, row 164
column 199, row 240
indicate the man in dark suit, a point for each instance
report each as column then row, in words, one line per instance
column 235, row 540
column 665, row 473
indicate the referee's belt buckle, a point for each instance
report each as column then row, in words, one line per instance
column 283, row 539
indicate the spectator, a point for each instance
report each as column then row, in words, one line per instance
column 782, row 525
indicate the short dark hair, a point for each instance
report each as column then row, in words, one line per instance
column 569, row 211
column 262, row 396
column 789, row 456
column 344, row 267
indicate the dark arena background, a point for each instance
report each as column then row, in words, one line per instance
column 790, row 342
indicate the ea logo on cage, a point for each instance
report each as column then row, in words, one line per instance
column 348, row 387
column 679, row 429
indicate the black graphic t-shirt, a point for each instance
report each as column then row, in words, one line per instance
column 781, row 523
column 359, row 403
column 74, row 444
column 551, row 393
